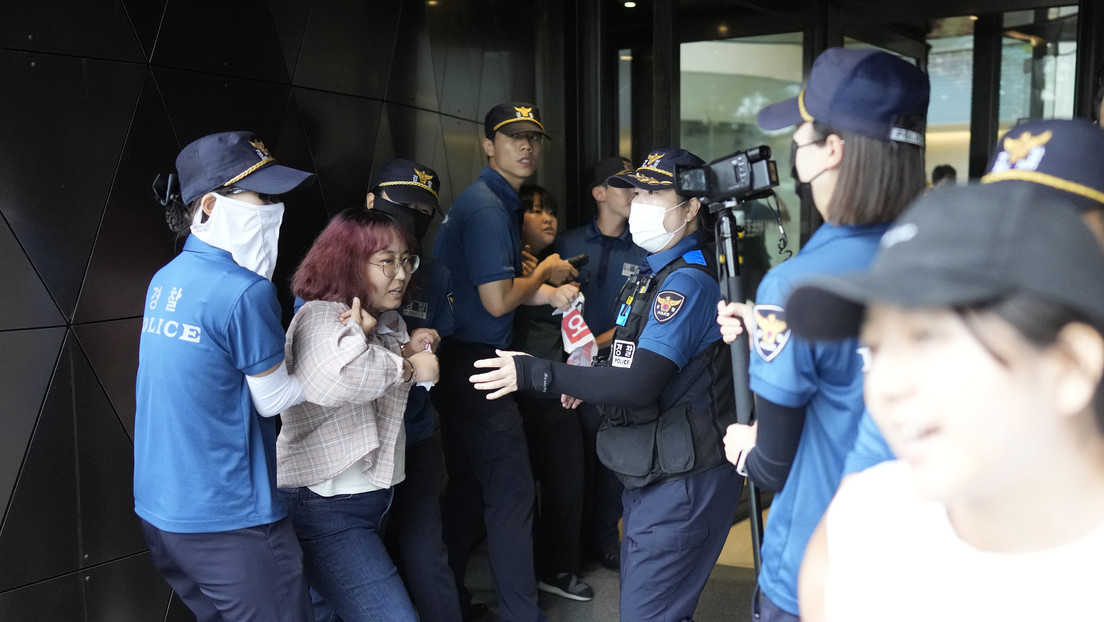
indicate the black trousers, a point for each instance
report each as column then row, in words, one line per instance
column 555, row 441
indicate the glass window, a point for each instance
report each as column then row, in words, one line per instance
column 724, row 84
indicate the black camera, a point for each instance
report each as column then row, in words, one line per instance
column 741, row 176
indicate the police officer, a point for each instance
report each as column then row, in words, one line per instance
column 489, row 474
column 666, row 392
column 211, row 376
column 858, row 148
column 409, row 192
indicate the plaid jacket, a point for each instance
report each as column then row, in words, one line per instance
column 356, row 399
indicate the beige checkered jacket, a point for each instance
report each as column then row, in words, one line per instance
column 356, row 399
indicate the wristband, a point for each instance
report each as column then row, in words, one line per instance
column 413, row 371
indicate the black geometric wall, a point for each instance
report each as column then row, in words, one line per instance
column 96, row 98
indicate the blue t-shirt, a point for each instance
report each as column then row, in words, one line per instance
column 870, row 447
column 826, row 379
column 480, row 242
column 683, row 319
column 204, row 460
column 429, row 306
column 612, row 262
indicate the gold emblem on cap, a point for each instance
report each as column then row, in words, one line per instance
column 524, row 112
column 262, row 153
column 423, row 177
column 1020, row 147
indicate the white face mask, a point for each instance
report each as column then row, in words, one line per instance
column 249, row 232
column 646, row 226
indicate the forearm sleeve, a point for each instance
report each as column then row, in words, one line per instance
column 768, row 464
column 634, row 386
column 274, row 393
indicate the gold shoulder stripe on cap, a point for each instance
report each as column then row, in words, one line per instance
column 251, row 169
column 411, row 183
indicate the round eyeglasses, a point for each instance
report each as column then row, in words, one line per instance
column 390, row 266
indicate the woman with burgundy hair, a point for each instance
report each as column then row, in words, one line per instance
column 340, row 453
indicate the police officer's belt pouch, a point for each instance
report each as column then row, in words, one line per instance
column 648, row 448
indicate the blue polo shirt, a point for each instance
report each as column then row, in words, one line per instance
column 683, row 329
column 612, row 261
column 826, row 379
column 204, row 460
column 480, row 242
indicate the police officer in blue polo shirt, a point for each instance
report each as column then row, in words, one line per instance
column 666, row 397
column 1058, row 158
column 490, row 479
column 613, row 258
column 210, row 377
column 858, row 149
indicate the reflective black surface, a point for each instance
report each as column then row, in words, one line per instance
column 99, row 97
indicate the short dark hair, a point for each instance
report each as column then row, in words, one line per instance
column 943, row 171
column 333, row 269
column 528, row 191
column 878, row 179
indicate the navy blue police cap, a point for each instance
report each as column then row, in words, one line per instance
column 1060, row 154
column 658, row 170
column 866, row 92
column 233, row 159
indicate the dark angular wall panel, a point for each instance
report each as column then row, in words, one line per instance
column 348, row 46
column 34, row 307
column 134, row 241
column 136, row 576
column 99, row 96
column 112, row 350
column 91, row 28
column 58, row 599
column 25, row 372
column 228, row 38
column 42, row 526
column 68, row 117
column 342, row 132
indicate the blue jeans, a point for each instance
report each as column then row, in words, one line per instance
column 344, row 557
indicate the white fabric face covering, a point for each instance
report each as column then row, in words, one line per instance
column 250, row 233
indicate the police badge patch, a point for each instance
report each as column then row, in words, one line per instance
column 417, row 309
column 667, row 304
column 771, row 331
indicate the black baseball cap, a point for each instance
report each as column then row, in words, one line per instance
column 1060, row 154
column 658, row 170
column 960, row 247
column 406, row 181
column 867, row 92
column 597, row 173
column 512, row 118
column 236, row 159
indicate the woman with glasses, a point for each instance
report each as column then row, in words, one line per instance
column 340, row 453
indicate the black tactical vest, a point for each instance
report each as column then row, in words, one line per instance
column 683, row 432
